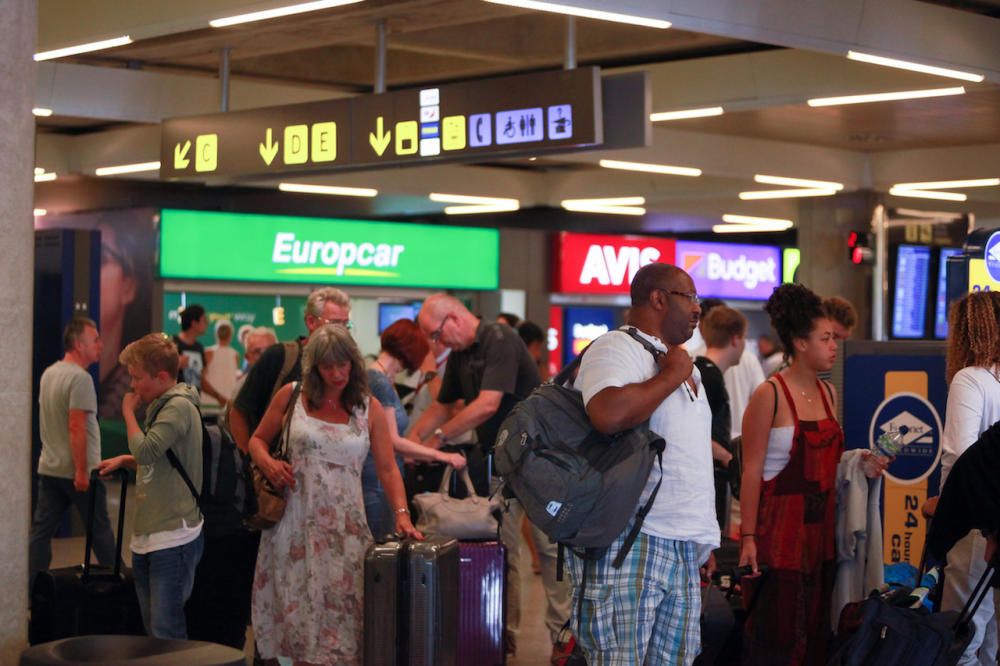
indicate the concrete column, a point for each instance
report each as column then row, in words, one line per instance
column 824, row 223
column 18, row 29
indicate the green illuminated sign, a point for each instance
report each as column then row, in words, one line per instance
column 199, row 245
column 790, row 263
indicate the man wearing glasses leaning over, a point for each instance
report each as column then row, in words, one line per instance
column 647, row 612
column 491, row 369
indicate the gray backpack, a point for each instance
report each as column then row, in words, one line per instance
column 577, row 485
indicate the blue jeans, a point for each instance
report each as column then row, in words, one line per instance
column 163, row 582
column 55, row 495
column 381, row 519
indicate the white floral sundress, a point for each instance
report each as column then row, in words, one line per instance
column 308, row 590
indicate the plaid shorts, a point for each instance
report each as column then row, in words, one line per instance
column 647, row 612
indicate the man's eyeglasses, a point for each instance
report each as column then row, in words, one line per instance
column 346, row 323
column 693, row 297
column 436, row 333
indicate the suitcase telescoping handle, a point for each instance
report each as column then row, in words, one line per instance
column 95, row 478
column 979, row 594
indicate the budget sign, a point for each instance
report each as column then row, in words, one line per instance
column 749, row 272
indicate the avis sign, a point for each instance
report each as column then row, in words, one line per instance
column 599, row 264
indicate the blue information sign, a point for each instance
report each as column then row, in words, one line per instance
column 918, row 422
column 992, row 256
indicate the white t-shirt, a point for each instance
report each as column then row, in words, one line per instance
column 684, row 509
column 973, row 406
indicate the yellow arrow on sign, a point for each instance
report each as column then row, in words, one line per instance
column 380, row 141
column 269, row 149
column 181, row 160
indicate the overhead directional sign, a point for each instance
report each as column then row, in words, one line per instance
column 525, row 114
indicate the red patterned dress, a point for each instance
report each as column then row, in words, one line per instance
column 795, row 540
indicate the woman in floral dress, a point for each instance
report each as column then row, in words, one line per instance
column 308, row 589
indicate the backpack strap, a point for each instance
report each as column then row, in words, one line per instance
column 570, row 370
column 640, row 517
column 292, row 350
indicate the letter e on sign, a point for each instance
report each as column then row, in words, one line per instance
column 324, row 142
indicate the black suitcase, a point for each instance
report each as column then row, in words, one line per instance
column 86, row 600
column 891, row 635
column 432, row 586
column 385, row 619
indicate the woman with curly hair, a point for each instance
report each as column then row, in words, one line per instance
column 308, row 587
column 973, row 373
column 792, row 443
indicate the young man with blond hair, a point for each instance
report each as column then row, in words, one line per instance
column 167, row 542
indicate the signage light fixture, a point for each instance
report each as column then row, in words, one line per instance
column 277, row 12
column 83, row 48
column 611, row 205
column 914, row 66
column 797, row 182
column 44, row 177
column 127, row 168
column 927, row 194
column 787, row 194
column 705, row 112
column 583, row 12
column 885, row 97
column 331, row 190
column 41, row 112
column 644, row 167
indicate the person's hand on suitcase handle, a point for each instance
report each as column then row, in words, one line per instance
column 404, row 527
column 109, row 465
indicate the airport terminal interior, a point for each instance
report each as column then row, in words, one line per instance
column 229, row 158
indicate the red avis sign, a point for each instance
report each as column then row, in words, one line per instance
column 598, row 264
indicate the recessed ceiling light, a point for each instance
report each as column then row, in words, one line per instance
column 39, row 171
column 650, row 168
column 797, row 182
column 40, row 212
column 750, row 228
column 927, row 194
column 127, row 168
column 885, row 97
column 582, row 12
column 949, row 184
column 610, row 205
column 83, row 48
column 41, row 112
column 44, row 177
column 705, row 112
column 787, row 194
column 278, row 12
column 468, row 199
column 483, row 208
column 751, row 219
column 331, row 190
column 914, row 66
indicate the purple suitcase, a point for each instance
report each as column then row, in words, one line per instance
column 482, row 616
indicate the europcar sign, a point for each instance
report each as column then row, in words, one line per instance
column 600, row 264
column 201, row 245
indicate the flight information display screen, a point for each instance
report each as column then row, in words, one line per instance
column 941, row 302
column 909, row 309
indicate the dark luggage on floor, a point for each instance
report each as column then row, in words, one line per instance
column 890, row 635
column 411, row 603
column 724, row 612
column 385, row 616
column 124, row 650
column 88, row 599
column 482, row 612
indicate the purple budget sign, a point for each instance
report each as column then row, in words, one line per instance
column 748, row 272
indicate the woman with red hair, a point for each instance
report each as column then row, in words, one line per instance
column 404, row 347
